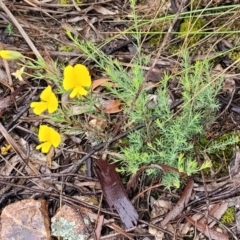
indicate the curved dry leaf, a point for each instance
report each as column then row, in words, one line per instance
column 115, row 193
column 132, row 183
column 182, row 202
column 102, row 82
column 99, row 82
column 113, row 106
column 218, row 214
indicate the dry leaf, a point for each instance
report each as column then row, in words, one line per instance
column 215, row 210
column 103, row 10
column 99, row 82
column 10, row 165
column 182, row 202
column 207, row 231
column 115, row 193
column 158, row 235
column 112, row 106
column 218, row 213
column 159, row 207
column 186, row 227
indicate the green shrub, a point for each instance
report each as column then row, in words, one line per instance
column 168, row 135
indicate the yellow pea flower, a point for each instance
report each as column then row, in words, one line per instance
column 49, row 137
column 75, row 79
column 49, row 102
column 10, row 55
column 5, row 149
column 18, row 74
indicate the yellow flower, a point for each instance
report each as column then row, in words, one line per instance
column 49, row 102
column 75, row 78
column 5, row 149
column 49, row 137
column 18, row 74
column 10, row 55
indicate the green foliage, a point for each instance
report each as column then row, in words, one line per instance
column 195, row 4
column 48, row 71
column 159, row 29
column 63, row 228
column 64, row 1
column 9, row 29
column 220, row 152
column 235, row 56
column 190, row 29
column 169, row 136
column 229, row 216
column 172, row 144
column 224, row 143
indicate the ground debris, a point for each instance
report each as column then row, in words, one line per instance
column 115, row 193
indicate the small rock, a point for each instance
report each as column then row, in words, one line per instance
column 25, row 220
column 71, row 224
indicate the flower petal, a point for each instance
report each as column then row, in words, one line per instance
column 69, row 78
column 44, row 133
column 74, row 93
column 39, row 146
column 38, row 107
column 45, row 147
column 55, row 137
column 52, row 103
column 46, row 94
column 82, row 75
column 81, row 91
column 18, row 74
column 10, row 55
column 78, row 91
